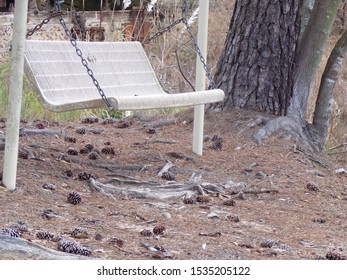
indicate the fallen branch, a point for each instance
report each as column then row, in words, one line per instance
column 154, row 141
column 108, row 166
column 26, row 131
column 161, row 192
column 162, row 122
column 130, row 182
column 253, row 191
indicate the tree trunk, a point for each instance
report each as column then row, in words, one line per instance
column 257, row 66
column 325, row 95
column 310, row 53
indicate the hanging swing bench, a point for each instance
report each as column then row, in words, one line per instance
column 122, row 69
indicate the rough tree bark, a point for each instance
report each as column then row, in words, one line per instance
column 310, row 52
column 270, row 62
column 325, row 95
column 257, row 66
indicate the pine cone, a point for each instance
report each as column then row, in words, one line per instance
column 217, row 146
column 230, row 202
column 68, row 173
column 168, row 176
column 108, row 151
column 216, row 138
column 217, row 143
column 90, row 120
column 117, row 241
column 146, row 232
column 159, row 230
column 44, row 235
column 312, row 187
column 233, row 218
column 72, row 152
column 123, row 124
column 80, row 130
column 10, row 232
column 79, row 233
column 48, row 186
column 40, row 126
column 84, row 176
column 84, row 151
column 269, row 243
column 150, row 130
column 70, row 139
column 89, row 147
column 188, row 200
column 334, row 256
column 74, row 198
column 202, row 199
column 72, row 247
column 23, row 154
column 93, row 156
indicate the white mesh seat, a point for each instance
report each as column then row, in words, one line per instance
column 122, row 69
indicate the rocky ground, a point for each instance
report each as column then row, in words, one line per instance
column 101, row 186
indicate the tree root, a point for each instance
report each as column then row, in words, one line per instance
column 159, row 192
column 297, row 130
column 275, row 125
column 108, row 166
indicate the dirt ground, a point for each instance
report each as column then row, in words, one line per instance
column 292, row 206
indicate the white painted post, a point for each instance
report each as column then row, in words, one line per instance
column 15, row 95
column 199, row 110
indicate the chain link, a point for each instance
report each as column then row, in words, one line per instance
column 45, row 21
column 201, row 57
column 192, row 37
column 161, row 32
column 85, row 64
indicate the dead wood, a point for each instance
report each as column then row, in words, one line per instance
column 23, row 153
column 130, row 182
column 178, row 155
column 94, row 130
column 108, row 166
column 17, row 248
column 159, row 192
column 48, row 132
column 253, row 191
column 165, row 168
column 154, row 141
column 162, row 122
column 37, row 146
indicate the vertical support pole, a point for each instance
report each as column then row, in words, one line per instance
column 199, row 110
column 15, row 95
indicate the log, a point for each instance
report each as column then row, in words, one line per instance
column 21, row 249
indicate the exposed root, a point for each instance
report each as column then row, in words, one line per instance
column 159, row 192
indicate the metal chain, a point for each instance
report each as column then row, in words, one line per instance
column 161, row 32
column 201, row 57
column 45, row 21
column 83, row 60
column 192, row 37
